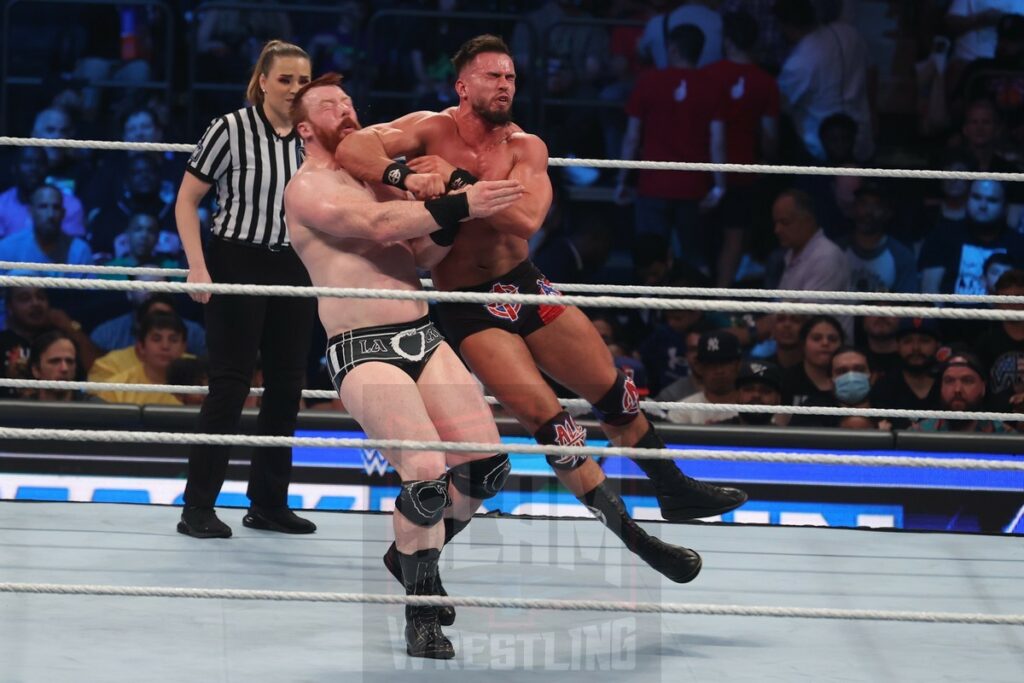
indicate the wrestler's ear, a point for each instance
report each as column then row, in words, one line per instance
column 460, row 88
column 303, row 129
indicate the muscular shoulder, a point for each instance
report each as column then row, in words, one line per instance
column 301, row 185
column 528, row 146
column 423, row 122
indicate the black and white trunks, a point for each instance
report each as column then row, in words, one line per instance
column 407, row 346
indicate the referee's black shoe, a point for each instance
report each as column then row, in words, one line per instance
column 277, row 519
column 200, row 522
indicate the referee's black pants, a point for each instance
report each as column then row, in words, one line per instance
column 279, row 329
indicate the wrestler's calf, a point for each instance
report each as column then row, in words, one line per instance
column 675, row 562
column 423, row 503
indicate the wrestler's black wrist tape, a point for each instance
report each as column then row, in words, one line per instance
column 395, row 175
column 460, row 178
column 447, row 212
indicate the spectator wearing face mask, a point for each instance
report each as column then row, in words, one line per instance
column 759, row 383
column 852, row 381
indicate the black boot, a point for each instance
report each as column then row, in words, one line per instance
column 677, row 563
column 681, row 497
column 423, row 634
column 281, row 519
column 452, row 526
column 199, row 522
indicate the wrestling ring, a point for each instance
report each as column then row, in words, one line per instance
column 99, row 592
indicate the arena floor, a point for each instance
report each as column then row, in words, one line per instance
column 46, row 638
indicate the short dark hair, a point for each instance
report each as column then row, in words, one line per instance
column 152, row 300
column 1011, row 278
column 688, row 40
column 43, row 342
column 297, row 111
column 846, row 348
column 159, row 320
column 740, row 28
column 805, row 329
column 804, row 202
column 478, row 45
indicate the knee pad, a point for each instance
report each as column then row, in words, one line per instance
column 423, row 502
column 481, row 479
column 562, row 430
column 621, row 405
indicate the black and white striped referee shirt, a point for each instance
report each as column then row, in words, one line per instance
column 250, row 164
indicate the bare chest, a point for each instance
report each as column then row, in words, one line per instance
column 486, row 162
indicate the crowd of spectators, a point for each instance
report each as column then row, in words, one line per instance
column 832, row 83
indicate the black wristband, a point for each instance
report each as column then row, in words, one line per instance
column 447, row 211
column 395, row 175
column 460, row 178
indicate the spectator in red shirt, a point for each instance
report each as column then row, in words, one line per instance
column 750, row 113
column 670, row 119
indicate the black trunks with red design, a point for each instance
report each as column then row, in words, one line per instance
column 460, row 321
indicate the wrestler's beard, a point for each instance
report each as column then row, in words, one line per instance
column 330, row 139
column 498, row 118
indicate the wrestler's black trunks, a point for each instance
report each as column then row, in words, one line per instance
column 460, row 321
column 407, row 346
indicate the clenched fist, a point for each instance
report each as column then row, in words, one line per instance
column 425, row 185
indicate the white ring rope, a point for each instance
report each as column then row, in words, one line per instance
column 516, row 603
column 890, row 297
column 498, row 298
column 118, row 436
column 771, row 169
column 95, row 387
column 94, row 270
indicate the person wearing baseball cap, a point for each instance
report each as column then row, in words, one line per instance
column 718, row 363
column 759, row 383
column 962, row 388
column 914, row 386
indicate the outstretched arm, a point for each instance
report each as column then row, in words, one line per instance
column 319, row 202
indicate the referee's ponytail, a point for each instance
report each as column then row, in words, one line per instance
column 271, row 51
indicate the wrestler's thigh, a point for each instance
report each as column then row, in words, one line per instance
column 503, row 362
column 455, row 402
column 387, row 405
column 570, row 350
